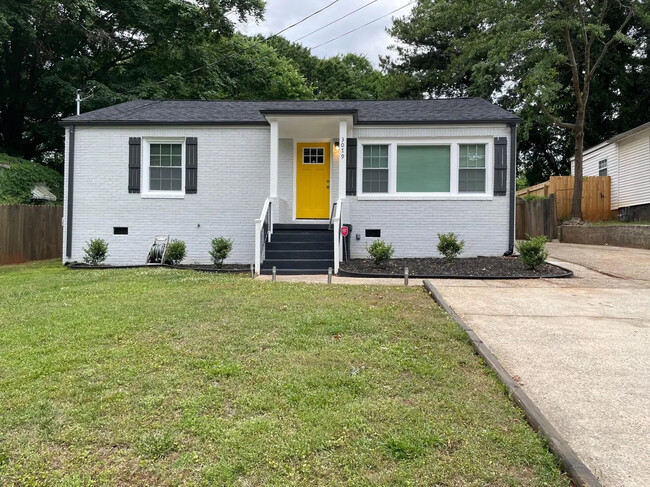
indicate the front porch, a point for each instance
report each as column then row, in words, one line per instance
column 299, row 227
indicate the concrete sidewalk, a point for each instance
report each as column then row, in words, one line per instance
column 579, row 348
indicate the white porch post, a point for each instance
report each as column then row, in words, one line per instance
column 273, row 190
column 343, row 150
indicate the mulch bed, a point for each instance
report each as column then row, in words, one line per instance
column 469, row 268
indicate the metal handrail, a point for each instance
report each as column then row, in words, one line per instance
column 263, row 232
column 334, row 206
column 335, row 222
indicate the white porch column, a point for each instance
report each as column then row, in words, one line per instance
column 273, row 190
column 343, row 150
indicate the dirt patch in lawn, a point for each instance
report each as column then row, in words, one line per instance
column 478, row 267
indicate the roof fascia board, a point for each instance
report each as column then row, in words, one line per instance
column 144, row 123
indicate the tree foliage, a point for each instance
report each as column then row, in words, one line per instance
column 520, row 55
column 52, row 47
column 349, row 76
column 18, row 177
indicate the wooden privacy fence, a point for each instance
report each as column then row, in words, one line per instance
column 596, row 196
column 536, row 217
column 30, row 233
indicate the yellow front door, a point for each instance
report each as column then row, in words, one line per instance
column 313, row 180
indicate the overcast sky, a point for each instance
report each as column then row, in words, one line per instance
column 371, row 40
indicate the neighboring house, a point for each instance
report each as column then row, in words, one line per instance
column 626, row 158
column 290, row 172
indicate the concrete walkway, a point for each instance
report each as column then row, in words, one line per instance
column 579, row 347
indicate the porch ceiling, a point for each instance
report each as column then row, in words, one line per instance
column 309, row 127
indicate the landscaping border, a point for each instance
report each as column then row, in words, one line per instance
column 78, row 266
column 577, row 470
column 567, row 273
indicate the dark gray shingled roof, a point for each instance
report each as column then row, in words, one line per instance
column 204, row 112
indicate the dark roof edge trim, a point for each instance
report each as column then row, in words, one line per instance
column 501, row 121
column 65, row 123
column 264, row 123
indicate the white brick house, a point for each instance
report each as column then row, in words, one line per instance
column 402, row 171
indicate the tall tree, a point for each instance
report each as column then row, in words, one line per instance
column 49, row 48
column 539, row 54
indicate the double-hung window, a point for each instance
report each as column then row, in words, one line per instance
column 471, row 168
column 602, row 167
column 164, row 168
column 375, row 168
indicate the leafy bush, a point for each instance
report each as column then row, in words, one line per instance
column 17, row 181
column 449, row 245
column 176, row 251
column 380, row 252
column 221, row 248
column 96, row 251
column 533, row 197
column 533, row 251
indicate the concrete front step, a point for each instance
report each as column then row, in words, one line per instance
column 298, row 263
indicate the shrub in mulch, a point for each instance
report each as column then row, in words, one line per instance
column 477, row 267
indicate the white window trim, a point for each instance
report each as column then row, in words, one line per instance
column 601, row 168
column 144, row 176
column 453, row 193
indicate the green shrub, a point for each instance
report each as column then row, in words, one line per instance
column 17, row 181
column 96, row 251
column 176, row 251
column 533, row 197
column 221, row 248
column 380, row 252
column 449, row 245
column 533, row 251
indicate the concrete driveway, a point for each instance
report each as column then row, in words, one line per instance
column 579, row 347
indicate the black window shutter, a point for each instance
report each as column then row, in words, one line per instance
column 351, row 168
column 191, row 169
column 500, row 165
column 134, row 164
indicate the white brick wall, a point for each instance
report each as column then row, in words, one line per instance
column 412, row 226
column 233, row 181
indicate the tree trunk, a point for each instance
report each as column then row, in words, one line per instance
column 579, row 135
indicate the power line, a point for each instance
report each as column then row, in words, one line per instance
column 262, row 40
column 335, row 21
column 361, row 26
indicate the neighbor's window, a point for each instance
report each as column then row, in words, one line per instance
column 471, row 168
column 423, row 168
column 375, row 169
column 165, row 167
column 602, row 167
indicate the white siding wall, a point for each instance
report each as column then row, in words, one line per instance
column 634, row 167
column 412, row 226
column 233, row 181
column 590, row 167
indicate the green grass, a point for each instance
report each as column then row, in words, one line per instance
column 165, row 377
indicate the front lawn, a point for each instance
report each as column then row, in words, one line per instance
column 167, row 377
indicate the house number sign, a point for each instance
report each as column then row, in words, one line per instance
column 342, row 148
